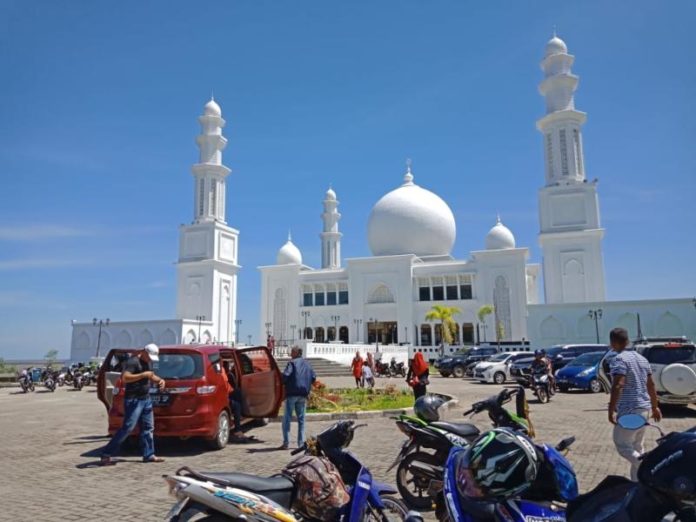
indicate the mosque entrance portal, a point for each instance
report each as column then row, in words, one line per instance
column 385, row 332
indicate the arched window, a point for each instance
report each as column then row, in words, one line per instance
column 331, row 333
column 319, row 334
column 308, row 334
column 467, row 333
column 573, row 281
column 381, row 294
column 343, row 334
column 426, row 335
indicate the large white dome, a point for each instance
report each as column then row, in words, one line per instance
column 411, row 220
column 499, row 237
column 289, row 254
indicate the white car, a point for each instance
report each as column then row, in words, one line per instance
column 497, row 368
column 673, row 363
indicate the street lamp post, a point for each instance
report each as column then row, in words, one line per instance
column 100, row 323
column 237, row 322
column 249, row 337
column 358, row 326
column 292, row 328
column 305, row 315
column 335, row 319
column 199, row 318
column 595, row 314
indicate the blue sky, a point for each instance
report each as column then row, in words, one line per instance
column 99, row 102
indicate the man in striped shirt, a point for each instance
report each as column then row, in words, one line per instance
column 632, row 391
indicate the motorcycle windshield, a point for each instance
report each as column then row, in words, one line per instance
column 566, row 481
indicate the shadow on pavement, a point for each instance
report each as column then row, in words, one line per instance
column 88, row 439
column 677, row 412
column 265, row 450
column 97, row 464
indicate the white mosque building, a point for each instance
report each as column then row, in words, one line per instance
column 410, row 232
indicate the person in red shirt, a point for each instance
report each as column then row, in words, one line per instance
column 356, row 366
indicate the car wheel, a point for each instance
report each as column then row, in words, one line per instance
column 222, row 434
column 458, row 371
column 499, row 378
column 595, row 386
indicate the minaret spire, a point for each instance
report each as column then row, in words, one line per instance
column 209, row 173
column 330, row 236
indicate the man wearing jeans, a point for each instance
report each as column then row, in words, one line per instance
column 298, row 378
column 632, row 391
column 136, row 377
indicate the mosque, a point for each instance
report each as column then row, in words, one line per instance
column 411, row 231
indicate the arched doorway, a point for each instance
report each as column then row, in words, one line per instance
column 319, row 335
column 343, row 334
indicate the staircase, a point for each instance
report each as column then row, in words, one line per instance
column 322, row 367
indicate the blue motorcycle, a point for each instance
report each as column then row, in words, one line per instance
column 555, row 482
column 239, row 496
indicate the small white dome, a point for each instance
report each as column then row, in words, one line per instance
column 411, row 220
column 212, row 109
column 555, row 46
column 289, row 254
column 330, row 194
column 499, row 237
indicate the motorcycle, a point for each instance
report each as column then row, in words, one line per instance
column 539, row 383
column 666, row 483
column 382, row 369
column 77, row 380
column 397, row 369
column 26, row 383
column 251, row 498
column 419, row 476
column 555, row 483
column 48, row 380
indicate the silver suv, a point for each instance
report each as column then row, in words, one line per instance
column 673, row 363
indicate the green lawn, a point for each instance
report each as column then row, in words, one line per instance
column 326, row 400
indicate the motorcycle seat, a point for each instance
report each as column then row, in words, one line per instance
column 463, row 429
column 278, row 488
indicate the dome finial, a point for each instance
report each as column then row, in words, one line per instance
column 497, row 218
column 408, row 177
column 289, row 235
column 554, row 31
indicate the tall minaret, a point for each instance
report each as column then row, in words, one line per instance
column 208, row 248
column 571, row 233
column 330, row 236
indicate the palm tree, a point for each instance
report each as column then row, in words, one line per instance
column 444, row 314
column 482, row 313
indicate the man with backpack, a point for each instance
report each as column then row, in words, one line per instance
column 298, row 378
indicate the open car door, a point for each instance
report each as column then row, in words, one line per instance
column 110, row 373
column 260, row 382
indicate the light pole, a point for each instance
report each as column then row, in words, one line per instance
column 358, row 326
column 595, row 314
column 268, row 329
column 335, row 319
column 292, row 329
column 199, row 318
column 305, row 314
column 405, row 334
column 249, row 336
column 100, row 323
column 237, row 322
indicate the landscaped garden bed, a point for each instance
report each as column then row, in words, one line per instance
column 341, row 400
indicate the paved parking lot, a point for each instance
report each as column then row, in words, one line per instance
column 50, row 442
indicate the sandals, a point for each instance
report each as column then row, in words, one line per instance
column 153, row 459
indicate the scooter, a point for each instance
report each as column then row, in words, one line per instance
column 251, row 498
column 397, row 369
column 666, row 483
column 539, row 383
column 419, row 476
column 555, row 482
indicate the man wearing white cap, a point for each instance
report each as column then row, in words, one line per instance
column 136, row 377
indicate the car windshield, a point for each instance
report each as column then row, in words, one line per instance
column 552, row 352
column 172, row 366
column 499, row 357
column 665, row 355
column 587, row 359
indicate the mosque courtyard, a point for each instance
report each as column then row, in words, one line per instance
column 51, row 443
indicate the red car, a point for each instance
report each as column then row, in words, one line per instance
column 194, row 402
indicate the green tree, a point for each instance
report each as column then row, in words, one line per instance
column 444, row 314
column 51, row 357
column 482, row 313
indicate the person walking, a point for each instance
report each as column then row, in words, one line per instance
column 368, row 377
column 136, row 376
column 356, row 366
column 298, row 378
column 632, row 391
column 417, row 377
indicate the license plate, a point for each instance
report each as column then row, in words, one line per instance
column 160, row 399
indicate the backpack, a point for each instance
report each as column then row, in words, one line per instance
column 321, row 492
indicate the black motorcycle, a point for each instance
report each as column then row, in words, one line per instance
column 666, row 484
column 421, row 462
column 382, row 369
column 77, row 380
column 26, row 383
column 539, row 383
column 48, row 379
column 397, row 369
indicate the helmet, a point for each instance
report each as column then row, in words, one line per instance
column 539, row 353
column 669, row 468
column 500, row 463
column 426, row 407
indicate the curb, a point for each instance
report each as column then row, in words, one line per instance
column 317, row 417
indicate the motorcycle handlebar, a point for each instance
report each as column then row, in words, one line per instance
column 299, row 450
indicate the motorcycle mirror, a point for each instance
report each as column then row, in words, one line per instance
column 632, row 421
